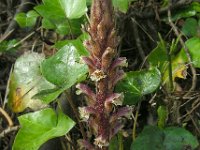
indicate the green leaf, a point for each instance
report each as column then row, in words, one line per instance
column 27, row 20
column 38, row 127
column 184, row 12
column 190, row 27
column 77, row 43
column 179, row 138
column 47, row 24
column 64, row 69
column 121, row 5
column 48, row 95
column 26, row 81
column 139, row 83
column 151, row 138
column 69, row 26
column 8, row 45
column 158, row 56
column 171, row 138
column 71, row 9
column 65, row 17
column 193, row 45
column 64, row 26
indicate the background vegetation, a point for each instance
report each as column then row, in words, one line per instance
column 41, row 43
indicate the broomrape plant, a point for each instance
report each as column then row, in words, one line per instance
column 102, row 112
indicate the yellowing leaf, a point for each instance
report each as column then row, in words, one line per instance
column 179, row 70
column 25, row 82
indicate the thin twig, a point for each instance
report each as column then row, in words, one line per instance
column 138, row 42
column 7, row 117
column 195, row 107
column 135, row 121
column 25, row 38
column 7, row 34
column 170, row 69
column 161, row 11
column 23, row 7
column 7, row 88
column 8, row 130
column 194, row 78
column 194, row 123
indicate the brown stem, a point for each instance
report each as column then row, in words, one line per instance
column 69, row 98
column 6, row 116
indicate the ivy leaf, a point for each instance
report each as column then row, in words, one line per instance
column 150, row 138
column 158, row 56
column 64, row 69
column 26, row 81
column 71, row 9
column 171, row 138
column 27, row 19
column 178, row 138
column 65, row 17
column 38, row 127
column 139, row 83
column 193, row 45
column 190, row 27
column 77, row 43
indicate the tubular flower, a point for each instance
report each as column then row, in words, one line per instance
column 105, row 71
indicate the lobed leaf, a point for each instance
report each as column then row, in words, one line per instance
column 26, row 81
column 27, row 19
column 38, row 127
column 64, row 69
column 139, row 83
column 171, row 138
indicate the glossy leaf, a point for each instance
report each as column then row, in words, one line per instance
column 38, row 127
column 64, row 68
column 69, row 27
column 77, row 43
column 48, row 95
column 47, row 24
column 26, row 19
column 139, row 83
column 26, row 81
column 171, row 138
column 65, row 17
column 71, row 9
